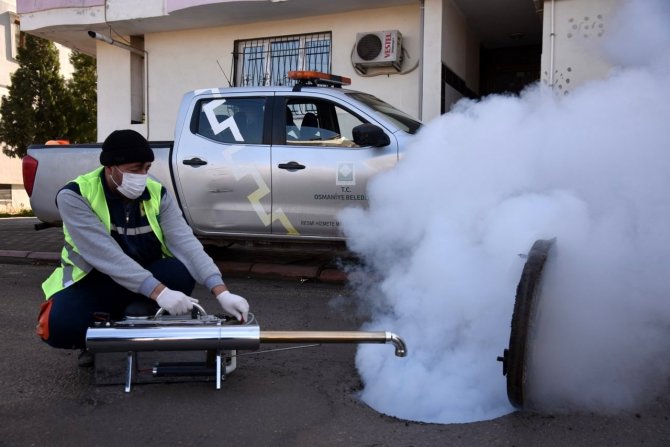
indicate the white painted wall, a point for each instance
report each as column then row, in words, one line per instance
column 133, row 9
column 113, row 65
column 7, row 64
column 573, row 54
column 10, row 170
column 432, row 59
column 35, row 17
column 180, row 61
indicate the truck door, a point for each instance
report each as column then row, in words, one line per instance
column 317, row 169
column 222, row 165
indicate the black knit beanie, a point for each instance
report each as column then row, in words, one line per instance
column 125, row 146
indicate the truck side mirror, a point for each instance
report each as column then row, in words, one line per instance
column 370, row 135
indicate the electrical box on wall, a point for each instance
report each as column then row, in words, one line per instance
column 378, row 49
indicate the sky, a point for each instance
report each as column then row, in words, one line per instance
column 442, row 236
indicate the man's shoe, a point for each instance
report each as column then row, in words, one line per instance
column 85, row 359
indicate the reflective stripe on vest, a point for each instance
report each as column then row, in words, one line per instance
column 73, row 266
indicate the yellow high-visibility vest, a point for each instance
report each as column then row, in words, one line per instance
column 73, row 266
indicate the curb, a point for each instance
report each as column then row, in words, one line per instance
column 300, row 272
column 282, row 271
column 41, row 256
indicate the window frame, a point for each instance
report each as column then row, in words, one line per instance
column 6, row 195
column 268, row 53
column 280, row 123
column 267, row 116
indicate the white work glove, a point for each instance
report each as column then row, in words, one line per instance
column 175, row 302
column 234, row 305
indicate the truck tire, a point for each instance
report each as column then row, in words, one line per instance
column 515, row 358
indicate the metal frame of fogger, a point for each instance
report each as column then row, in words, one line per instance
column 210, row 333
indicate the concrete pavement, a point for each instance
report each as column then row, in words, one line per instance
column 20, row 243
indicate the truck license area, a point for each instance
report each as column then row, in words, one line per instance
column 320, row 223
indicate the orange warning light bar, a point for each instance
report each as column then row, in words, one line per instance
column 317, row 77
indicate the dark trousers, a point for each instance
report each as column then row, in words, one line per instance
column 73, row 308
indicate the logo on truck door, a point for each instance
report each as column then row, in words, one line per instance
column 346, row 174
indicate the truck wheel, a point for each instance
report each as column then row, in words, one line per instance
column 515, row 358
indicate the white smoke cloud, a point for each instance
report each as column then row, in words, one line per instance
column 477, row 187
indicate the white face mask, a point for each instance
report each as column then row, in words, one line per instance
column 132, row 185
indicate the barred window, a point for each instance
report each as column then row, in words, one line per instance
column 5, row 195
column 267, row 61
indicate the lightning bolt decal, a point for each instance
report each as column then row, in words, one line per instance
column 239, row 172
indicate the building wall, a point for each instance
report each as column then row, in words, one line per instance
column 7, row 62
column 432, row 57
column 10, row 174
column 113, row 67
column 572, row 56
column 180, row 61
column 460, row 52
column 10, row 168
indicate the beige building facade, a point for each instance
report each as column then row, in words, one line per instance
column 150, row 53
column 191, row 44
column 153, row 51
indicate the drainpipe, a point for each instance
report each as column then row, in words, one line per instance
column 146, row 107
column 421, row 43
column 552, row 43
column 116, row 43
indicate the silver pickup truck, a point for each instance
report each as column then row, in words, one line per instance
column 254, row 162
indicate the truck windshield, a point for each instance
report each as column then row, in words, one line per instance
column 400, row 119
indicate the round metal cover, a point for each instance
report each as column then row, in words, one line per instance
column 515, row 359
column 369, row 47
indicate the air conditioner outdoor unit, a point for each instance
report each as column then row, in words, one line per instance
column 378, row 49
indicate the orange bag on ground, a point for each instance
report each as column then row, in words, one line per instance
column 42, row 328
